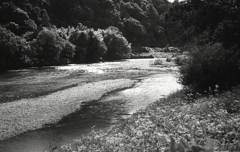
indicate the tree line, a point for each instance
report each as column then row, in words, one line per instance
column 53, row 32
column 57, row 46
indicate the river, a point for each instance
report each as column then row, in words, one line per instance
column 111, row 109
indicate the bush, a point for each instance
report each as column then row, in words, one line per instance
column 210, row 67
column 203, row 125
column 180, row 60
column 90, row 46
column 79, row 38
column 46, row 52
column 12, row 50
column 169, row 59
column 50, row 49
column 133, row 28
column 5, row 36
column 96, row 47
column 230, row 100
column 157, row 62
column 117, row 45
column 67, row 52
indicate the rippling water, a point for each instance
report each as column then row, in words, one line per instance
column 110, row 110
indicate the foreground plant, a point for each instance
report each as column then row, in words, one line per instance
column 172, row 125
column 182, row 146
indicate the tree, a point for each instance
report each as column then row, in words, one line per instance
column 133, row 28
column 12, row 50
column 219, row 19
column 45, row 18
column 117, row 45
column 152, row 12
column 46, row 48
column 215, row 23
column 67, row 52
column 96, row 49
column 90, row 46
column 79, row 38
column 130, row 9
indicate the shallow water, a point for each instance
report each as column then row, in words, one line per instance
column 111, row 109
column 93, row 115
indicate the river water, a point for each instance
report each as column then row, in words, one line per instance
column 112, row 109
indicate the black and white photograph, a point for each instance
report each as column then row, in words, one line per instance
column 119, row 75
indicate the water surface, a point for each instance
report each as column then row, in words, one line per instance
column 111, row 109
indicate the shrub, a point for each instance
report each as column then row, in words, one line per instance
column 50, row 49
column 133, row 27
column 96, row 47
column 210, row 67
column 65, row 33
column 46, row 51
column 117, row 45
column 67, row 52
column 169, row 59
column 230, row 100
column 5, row 36
column 158, row 62
column 17, row 52
column 180, row 60
column 133, row 10
column 203, row 125
column 79, row 38
column 90, row 46
column 182, row 146
column 12, row 50
column 147, row 49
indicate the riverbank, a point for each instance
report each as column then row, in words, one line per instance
column 192, row 120
column 46, row 95
column 30, row 114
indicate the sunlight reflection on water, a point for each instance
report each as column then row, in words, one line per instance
column 103, row 67
column 148, row 90
column 104, row 113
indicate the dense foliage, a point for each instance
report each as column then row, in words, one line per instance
column 50, row 49
column 53, row 32
column 13, row 50
column 211, row 67
column 95, row 14
column 126, row 15
column 53, row 46
column 192, row 124
column 117, row 45
column 214, row 28
column 90, row 46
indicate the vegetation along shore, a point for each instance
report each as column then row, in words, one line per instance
column 196, row 40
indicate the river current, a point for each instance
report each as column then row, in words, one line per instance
column 112, row 109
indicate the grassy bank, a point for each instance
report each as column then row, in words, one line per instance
column 179, row 116
column 29, row 114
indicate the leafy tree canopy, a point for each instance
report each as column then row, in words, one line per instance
column 214, row 26
column 218, row 19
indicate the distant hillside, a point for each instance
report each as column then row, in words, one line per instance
column 54, row 32
column 140, row 21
